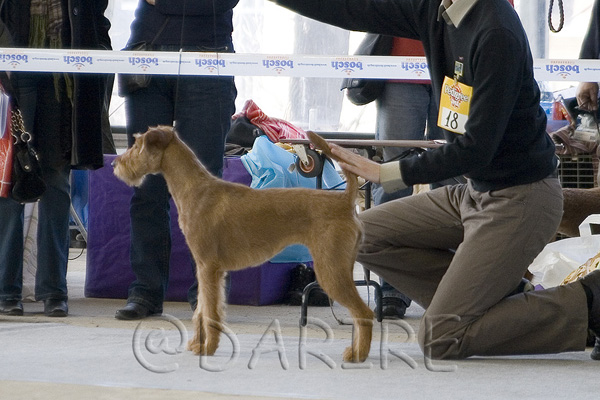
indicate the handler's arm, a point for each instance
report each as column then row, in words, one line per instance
column 388, row 174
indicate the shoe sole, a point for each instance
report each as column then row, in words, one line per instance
column 127, row 317
column 57, row 314
column 122, row 317
column 13, row 313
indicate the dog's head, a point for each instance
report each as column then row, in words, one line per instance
column 145, row 156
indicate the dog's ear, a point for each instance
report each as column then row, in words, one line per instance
column 159, row 136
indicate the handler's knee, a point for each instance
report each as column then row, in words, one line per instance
column 440, row 336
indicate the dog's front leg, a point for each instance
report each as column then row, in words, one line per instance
column 196, row 344
column 209, row 314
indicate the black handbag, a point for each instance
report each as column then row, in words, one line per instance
column 361, row 91
column 130, row 83
column 28, row 184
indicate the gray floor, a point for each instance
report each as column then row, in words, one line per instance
column 93, row 356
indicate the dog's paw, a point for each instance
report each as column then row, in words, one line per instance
column 202, row 349
column 211, row 348
column 195, row 347
column 350, row 355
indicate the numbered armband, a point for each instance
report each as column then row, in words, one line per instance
column 455, row 103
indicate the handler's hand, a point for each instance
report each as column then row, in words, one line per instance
column 151, row 2
column 356, row 164
column 587, row 96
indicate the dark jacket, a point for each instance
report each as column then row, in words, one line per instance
column 590, row 48
column 505, row 143
column 85, row 28
column 206, row 23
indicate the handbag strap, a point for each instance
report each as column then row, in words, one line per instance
column 18, row 131
column 18, row 128
column 160, row 30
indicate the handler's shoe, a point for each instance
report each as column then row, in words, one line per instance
column 596, row 351
column 393, row 307
column 592, row 282
column 300, row 277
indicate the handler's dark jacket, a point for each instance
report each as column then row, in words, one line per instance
column 505, row 143
column 85, row 27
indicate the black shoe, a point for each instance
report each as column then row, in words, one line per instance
column 11, row 307
column 301, row 276
column 393, row 308
column 133, row 311
column 592, row 283
column 596, row 351
column 55, row 308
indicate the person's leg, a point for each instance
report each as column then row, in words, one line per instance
column 52, row 125
column 410, row 242
column 53, row 236
column 470, row 313
column 150, row 248
column 11, row 214
column 402, row 112
column 11, row 256
column 202, row 118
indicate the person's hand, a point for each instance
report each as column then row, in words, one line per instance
column 356, row 164
column 151, row 2
column 587, row 96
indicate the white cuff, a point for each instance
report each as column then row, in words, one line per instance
column 390, row 177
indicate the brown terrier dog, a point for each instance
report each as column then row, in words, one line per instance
column 229, row 226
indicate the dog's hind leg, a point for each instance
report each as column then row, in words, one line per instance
column 334, row 274
column 209, row 314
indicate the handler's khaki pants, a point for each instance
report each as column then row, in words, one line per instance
column 459, row 252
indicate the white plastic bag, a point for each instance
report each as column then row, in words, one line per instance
column 560, row 258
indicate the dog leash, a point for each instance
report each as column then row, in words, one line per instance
column 561, row 11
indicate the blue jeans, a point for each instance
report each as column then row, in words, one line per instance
column 405, row 111
column 200, row 108
column 38, row 103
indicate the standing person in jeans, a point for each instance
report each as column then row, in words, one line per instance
column 65, row 114
column 199, row 107
column 406, row 110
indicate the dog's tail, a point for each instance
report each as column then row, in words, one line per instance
column 351, row 178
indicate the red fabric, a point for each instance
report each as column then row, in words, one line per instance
column 6, row 158
column 407, row 47
column 274, row 128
